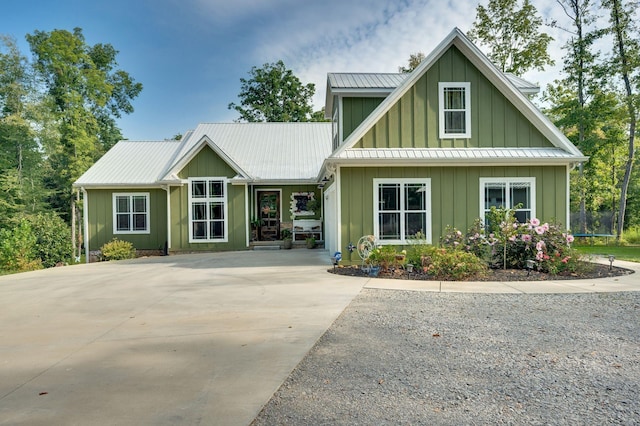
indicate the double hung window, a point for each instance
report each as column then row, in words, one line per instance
column 131, row 213
column 402, row 208
column 454, row 100
column 208, row 210
column 510, row 193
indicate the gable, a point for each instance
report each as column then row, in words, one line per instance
column 412, row 121
column 206, row 163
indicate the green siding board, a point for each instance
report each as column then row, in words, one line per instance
column 100, row 207
column 208, row 164
column 413, row 121
column 455, row 194
column 420, row 110
column 484, row 96
column 406, row 126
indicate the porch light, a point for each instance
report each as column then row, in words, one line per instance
column 530, row 265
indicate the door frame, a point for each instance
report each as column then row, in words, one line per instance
column 256, row 206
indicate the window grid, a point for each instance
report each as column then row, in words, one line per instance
column 208, row 210
column 402, row 209
column 454, row 110
column 130, row 213
column 508, row 193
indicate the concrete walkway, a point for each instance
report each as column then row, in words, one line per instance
column 189, row 339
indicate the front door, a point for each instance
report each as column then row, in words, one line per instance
column 269, row 214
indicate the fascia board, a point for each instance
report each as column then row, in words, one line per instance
column 155, row 185
column 456, row 162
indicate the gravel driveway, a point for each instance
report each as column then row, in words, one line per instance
column 402, row 357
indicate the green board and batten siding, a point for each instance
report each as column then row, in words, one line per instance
column 100, row 202
column 207, row 164
column 455, row 194
column 355, row 110
column 413, row 121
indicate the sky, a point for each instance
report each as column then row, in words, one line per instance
column 190, row 54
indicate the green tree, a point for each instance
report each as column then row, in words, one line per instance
column 414, row 60
column 274, row 93
column 571, row 96
column 86, row 93
column 625, row 64
column 512, row 34
column 20, row 156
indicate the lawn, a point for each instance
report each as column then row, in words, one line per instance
column 629, row 253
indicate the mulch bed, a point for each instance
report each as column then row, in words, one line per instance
column 587, row 271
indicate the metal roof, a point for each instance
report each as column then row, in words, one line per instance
column 365, row 80
column 130, row 163
column 269, row 151
column 475, row 155
column 266, row 151
column 384, row 83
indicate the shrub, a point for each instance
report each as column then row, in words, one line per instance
column 17, row 249
column 453, row 262
column 387, row 257
column 453, row 265
column 53, row 239
column 511, row 244
column 632, row 235
column 117, row 250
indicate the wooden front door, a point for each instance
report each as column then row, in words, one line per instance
column 269, row 214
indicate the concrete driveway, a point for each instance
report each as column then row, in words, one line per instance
column 187, row 339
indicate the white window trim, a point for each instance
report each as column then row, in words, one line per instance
column 224, row 199
column 376, row 212
column 508, row 181
column 115, row 213
column 467, row 114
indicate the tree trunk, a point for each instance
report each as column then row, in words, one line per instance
column 624, row 65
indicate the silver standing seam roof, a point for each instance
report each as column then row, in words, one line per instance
column 264, row 151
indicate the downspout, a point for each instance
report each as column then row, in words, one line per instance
column 568, row 200
column 339, row 207
column 85, row 218
column 167, row 188
column 247, row 222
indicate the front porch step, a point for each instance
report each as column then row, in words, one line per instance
column 261, row 247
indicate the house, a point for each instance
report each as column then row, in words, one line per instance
column 403, row 153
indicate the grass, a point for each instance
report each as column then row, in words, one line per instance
column 629, row 253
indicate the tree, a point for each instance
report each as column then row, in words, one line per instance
column 274, row 93
column 414, row 60
column 20, row 156
column 571, row 95
column 625, row 63
column 85, row 93
column 512, row 35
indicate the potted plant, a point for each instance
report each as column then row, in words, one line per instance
column 311, row 242
column 287, row 238
column 313, row 205
column 256, row 223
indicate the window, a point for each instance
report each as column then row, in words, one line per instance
column 454, row 100
column 131, row 213
column 207, row 210
column 509, row 193
column 402, row 208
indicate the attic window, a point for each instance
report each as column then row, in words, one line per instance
column 454, row 100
